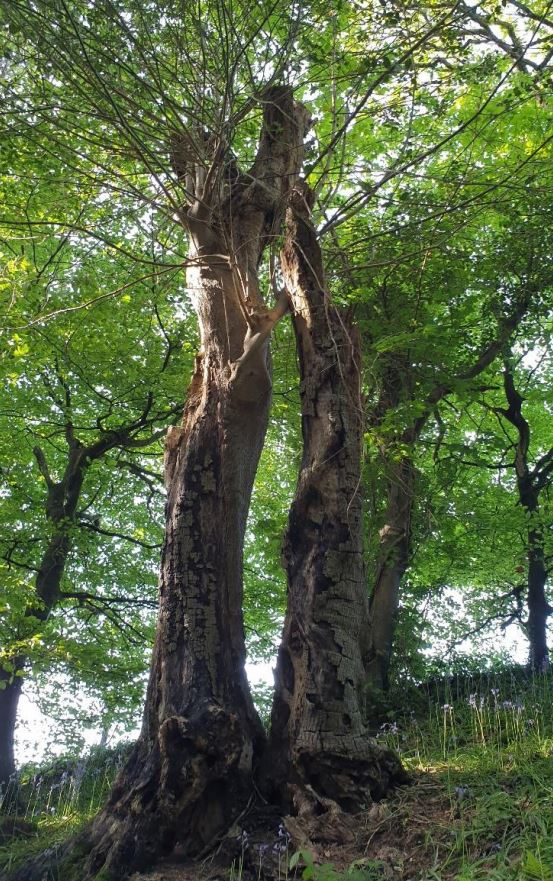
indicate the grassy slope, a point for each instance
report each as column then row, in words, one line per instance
column 480, row 807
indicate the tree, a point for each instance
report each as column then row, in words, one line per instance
column 38, row 547
column 438, row 317
column 206, row 102
column 531, row 482
column 86, row 429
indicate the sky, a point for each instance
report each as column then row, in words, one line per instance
column 36, row 739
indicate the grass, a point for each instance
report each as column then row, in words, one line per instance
column 487, row 744
column 47, row 804
column 480, row 807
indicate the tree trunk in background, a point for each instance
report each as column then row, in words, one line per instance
column 395, row 535
column 190, row 773
column 539, row 609
column 10, row 692
column 320, row 753
column 394, row 556
column 529, row 484
column 60, row 506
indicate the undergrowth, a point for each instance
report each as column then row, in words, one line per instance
column 480, row 751
column 44, row 805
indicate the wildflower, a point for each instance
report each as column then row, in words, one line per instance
column 284, row 834
column 447, row 708
column 507, row 705
column 243, row 840
column 389, row 728
column 462, row 792
column 494, row 691
column 472, row 700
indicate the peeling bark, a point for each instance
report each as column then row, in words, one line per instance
column 320, row 752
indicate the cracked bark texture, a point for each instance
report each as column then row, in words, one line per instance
column 320, row 753
column 191, row 770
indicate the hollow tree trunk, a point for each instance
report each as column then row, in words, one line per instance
column 319, row 752
column 394, row 555
column 191, row 770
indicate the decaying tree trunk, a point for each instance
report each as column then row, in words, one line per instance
column 320, row 754
column 191, row 770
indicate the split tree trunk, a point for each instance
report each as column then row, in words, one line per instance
column 191, row 771
column 320, row 753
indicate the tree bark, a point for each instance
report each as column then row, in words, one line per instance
column 10, row 691
column 191, row 770
column 320, row 753
column 539, row 609
column 394, row 557
column 60, row 506
column 529, row 484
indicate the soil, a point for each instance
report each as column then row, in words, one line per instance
column 401, row 838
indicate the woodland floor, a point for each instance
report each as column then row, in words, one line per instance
column 400, row 838
column 480, row 805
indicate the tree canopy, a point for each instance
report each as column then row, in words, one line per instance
column 177, row 180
